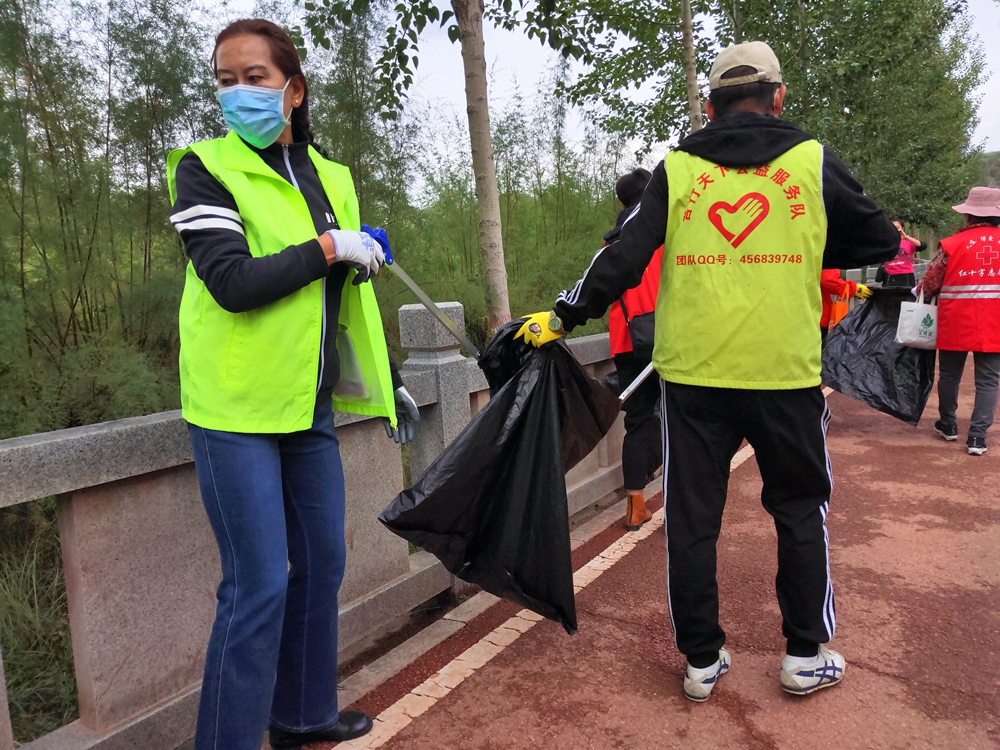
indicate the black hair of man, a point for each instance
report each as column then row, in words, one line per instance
column 759, row 95
column 630, row 187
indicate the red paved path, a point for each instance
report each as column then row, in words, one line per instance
column 915, row 535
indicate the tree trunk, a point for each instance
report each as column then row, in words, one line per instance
column 469, row 16
column 736, row 19
column 691, row 67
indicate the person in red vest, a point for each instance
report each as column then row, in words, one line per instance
column 642, row 449
column 965, row 275
column 833, row 286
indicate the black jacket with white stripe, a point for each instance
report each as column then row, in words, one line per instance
column 207, row 217
column 858, row 233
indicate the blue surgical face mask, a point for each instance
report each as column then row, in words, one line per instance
column 256, row 113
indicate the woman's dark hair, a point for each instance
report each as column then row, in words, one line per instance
column 286, row 57
column 760, row 93
column 630, row 187
column 900, row 220
column 993, row 221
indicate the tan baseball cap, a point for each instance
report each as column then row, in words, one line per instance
column 756, row 55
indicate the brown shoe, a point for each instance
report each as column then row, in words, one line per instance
column 636, row 514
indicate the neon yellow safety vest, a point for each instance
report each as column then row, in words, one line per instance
column 740, row 303
column 258, row 371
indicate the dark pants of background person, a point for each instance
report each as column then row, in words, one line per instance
column 704, row 428
column 276, row 505
column 907, row 280
column 642, row 452
column 951, row 366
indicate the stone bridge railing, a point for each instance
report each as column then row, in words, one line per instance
column 141, row 565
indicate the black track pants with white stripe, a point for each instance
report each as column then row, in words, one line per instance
column 703, row 429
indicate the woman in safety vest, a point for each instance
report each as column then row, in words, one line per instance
column 277, row 329
column 965, row 274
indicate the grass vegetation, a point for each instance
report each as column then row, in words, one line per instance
column 34, row 622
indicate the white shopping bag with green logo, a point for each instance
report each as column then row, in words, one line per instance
column 917, row 324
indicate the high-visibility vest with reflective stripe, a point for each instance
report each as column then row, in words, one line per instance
column 258, row 371
column 969, row 313
column 740, row 303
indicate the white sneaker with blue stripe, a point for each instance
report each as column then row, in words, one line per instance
column 698, row 683
column 826, row 671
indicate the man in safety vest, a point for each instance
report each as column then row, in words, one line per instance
column 749, row 210
column 965, row 274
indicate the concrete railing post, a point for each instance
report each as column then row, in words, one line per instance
column 6, row 736
column 432, row 348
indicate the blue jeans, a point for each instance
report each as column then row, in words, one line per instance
column 276, row 505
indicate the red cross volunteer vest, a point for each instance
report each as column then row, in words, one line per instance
column 969, row 313
column 740, row 302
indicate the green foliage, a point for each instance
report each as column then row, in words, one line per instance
column 642, row 48
column 90, row 269
column 888, row 86
column 989, row 169
column 34, row 622
column 566, row 27
column 556, row 200
column 556, row 203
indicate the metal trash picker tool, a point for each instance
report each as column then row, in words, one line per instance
column 455, row 331
column 436, row 311
column 634, row 385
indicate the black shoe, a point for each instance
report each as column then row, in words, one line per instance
column 948, row 431
column 977, row 446
column 352, row 724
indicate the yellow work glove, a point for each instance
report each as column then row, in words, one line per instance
column 862, row 292
column 541, row 328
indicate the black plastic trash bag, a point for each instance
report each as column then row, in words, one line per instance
column 862, row 359
column 492, row 507
column 612, row 381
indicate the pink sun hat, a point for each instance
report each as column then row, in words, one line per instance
column 982, row 201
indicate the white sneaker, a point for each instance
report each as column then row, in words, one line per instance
column 698, row 683
column 826, row 671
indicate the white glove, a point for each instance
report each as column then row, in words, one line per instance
column 407, row 416
column 359, row 251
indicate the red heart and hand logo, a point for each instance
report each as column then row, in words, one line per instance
column 744, row 217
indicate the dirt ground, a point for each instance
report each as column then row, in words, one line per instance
column 915, row 555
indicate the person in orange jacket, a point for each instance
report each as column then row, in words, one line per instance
column 833, row 287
